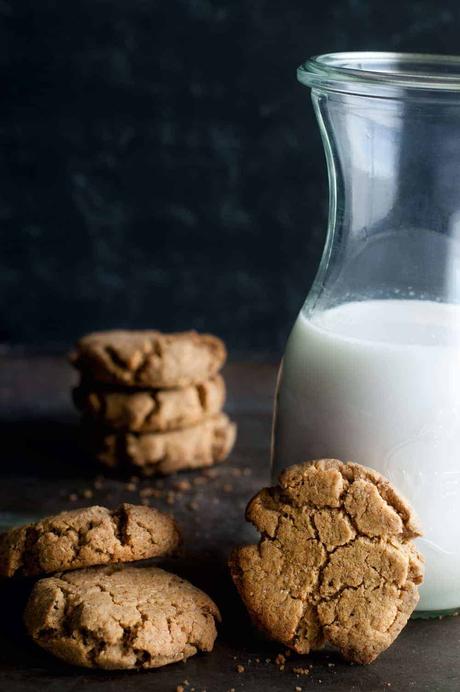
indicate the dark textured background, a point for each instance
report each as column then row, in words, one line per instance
column 161, row 167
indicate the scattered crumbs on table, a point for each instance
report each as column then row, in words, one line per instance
column 170, row 497
column 280, row 660
column 298, row 689
column 87, row 493
column 182, row 485
column 210, row 473
column 301, row 671
column 240, row 668
column 73, row 497
column 150, row 492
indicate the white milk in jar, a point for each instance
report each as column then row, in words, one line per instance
column 378, row 383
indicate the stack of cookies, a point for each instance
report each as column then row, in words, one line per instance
column 90, row 611
column 153, row 402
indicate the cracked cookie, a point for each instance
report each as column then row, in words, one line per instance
column 129, row 617
column 85, row 537
column 149, row 358
column 155, row 410
column 335, row 562
column 199, row 445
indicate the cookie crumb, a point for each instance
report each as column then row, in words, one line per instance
column 182, row 485
column 301, row 671
column 280, row 660
column 73, row 497
column 298, row 689
column 87, row 493
column 193, row 505
column 180, row 688
column 227, row 487
column 240, row 668
column 149, row 492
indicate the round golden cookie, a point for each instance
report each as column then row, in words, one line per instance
column 204, row 444
column 128, row 617
column 154, row 410
column 86, row 537
column 149, row 358
column 335, row 562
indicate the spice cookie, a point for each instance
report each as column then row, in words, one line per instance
column 335, row 562
column 128, row 617
column 155, row 410
column 149, row 358
column 85, row 537
column 199, row 445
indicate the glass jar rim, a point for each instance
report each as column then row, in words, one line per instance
column 385, row 73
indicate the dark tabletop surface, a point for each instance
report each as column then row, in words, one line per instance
column 44, row 470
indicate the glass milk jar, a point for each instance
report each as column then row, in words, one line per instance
column 371, row 371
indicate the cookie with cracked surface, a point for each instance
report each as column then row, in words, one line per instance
column 149, row 358
column 205, row 444
column 152, row 410
column 335, row 562
column 89, row 536
column 128, row 617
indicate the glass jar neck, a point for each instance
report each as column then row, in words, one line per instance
column 394, row 216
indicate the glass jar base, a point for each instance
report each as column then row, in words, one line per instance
column 431, row 614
